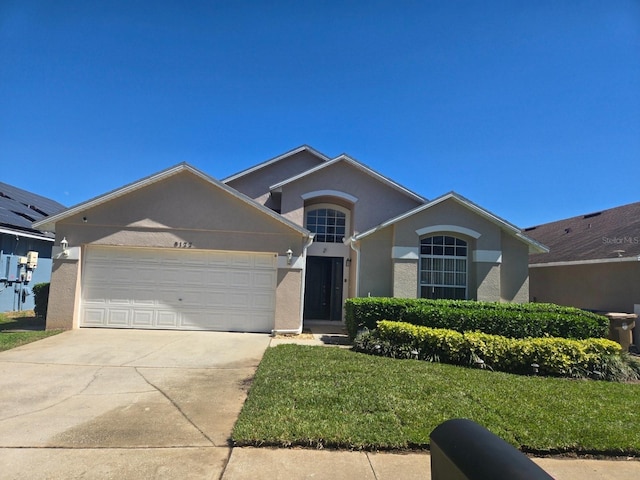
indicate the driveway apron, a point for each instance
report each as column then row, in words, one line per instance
column 103, row 403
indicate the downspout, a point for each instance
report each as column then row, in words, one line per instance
column 298, row 331
column 356, row 248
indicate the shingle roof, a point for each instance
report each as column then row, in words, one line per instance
column 19, row 208
column 609, row 234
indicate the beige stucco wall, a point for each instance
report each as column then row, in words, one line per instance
column 288, row 300
column 612, row 287
column 64, row 295
column 376, row 201
column 375, row 271
column 514, row 270
column 405, row 275
column 182, row 208
column 256, row 184
column 498, row 273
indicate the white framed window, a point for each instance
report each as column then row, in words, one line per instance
column 443, row 267
column 328, row 222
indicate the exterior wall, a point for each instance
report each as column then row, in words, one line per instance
column 178, row 211
column 514, row 271
column 64, row 295
column 610, row 287
column 405, row 275
column 376, row 202
column 375, row 270
column 483, row 281
column 289, row 300
column 497, row 262
column 256, row 184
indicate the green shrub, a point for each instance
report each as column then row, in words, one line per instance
column 508, row 319
column 554, row 356
column 41, row 298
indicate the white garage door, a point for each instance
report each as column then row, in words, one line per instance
column 178, row 289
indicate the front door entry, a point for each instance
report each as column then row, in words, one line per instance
column 323, row 288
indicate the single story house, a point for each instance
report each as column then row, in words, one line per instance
column 25, row 253
column 263, row 250
column 593, row 261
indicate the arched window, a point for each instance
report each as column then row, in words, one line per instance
column 329, row 224
column 443, row 267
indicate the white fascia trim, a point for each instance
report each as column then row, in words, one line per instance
column 405, row 253
column 18, row 233
column 448, row 228
column 49, row 222
column 332, row 193
column 487, row 256
column 301, row 148
column 585, row 262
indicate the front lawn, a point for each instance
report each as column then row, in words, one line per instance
column 330, row 397
column 31, row 329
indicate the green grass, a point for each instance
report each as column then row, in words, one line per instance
column 319, row 396
column 21, row 321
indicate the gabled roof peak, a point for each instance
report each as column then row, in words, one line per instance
column 302, row 148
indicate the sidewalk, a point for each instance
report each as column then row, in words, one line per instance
column 285, row 464
column 269, row 463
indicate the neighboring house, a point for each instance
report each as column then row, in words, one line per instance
column 593, row 261
column 286, row 240
column 18, row 210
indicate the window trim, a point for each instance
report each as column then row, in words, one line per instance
column 332, row 206
column 423, row 257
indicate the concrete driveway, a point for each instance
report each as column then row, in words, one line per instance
column 98, row 403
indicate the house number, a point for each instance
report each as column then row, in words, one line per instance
column 182, row 244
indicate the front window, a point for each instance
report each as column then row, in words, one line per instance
column 328, row 224
column 443, row 267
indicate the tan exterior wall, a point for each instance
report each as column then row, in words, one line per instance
column 256, row 184
column 64, row 295
column 376, row 274
column 611, row 287
column 497, row 262
column 405, row 275
column 376, row 202
column 487, row 286
column 514, row 270
column 288, row 300
column 184, row 209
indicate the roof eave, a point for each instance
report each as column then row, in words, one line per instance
column 585, row 262
column 48, row 224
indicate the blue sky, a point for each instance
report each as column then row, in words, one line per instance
column 529, row 108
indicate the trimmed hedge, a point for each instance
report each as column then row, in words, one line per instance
column 555, row 356
column 514, row 320
column 41, row 298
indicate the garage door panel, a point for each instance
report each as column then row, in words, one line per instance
column 142, row 318
column 178, row 289
column 118, row 317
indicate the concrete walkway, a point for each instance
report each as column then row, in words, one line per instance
column 126, row 404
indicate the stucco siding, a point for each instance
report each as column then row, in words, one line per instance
column 256, row 184
column 182, row 210
column 487, row 288
column 376, row 265
column 64, row 295
column 376, row 201
column 514, row 271
column 613, row 287
column 288, row 300
column 405, row 278
column 449, row 212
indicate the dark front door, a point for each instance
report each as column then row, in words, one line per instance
column 323, row 288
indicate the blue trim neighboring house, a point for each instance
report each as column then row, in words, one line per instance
column 25, row 253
